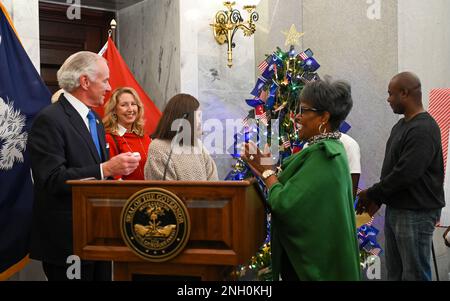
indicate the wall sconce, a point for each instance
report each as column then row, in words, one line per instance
column 227, row 22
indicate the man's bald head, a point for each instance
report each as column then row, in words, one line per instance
column 405, row 93
column 408, row 82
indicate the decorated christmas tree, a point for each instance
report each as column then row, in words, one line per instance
column 283, row 74
column 275, row 97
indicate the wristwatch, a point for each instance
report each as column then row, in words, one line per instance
column 267, row 173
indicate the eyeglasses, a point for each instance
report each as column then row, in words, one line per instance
column 303, row 110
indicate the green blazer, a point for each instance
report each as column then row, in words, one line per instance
column 313, row 217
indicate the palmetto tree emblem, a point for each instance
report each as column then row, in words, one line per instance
column 13, row 138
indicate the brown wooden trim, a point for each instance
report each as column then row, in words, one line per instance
column 244, row 183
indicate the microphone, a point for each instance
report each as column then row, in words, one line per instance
column 185, row 115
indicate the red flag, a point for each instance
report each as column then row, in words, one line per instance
column 121, row 76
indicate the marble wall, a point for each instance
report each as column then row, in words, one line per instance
column 204, row 72
column 276, row 17
column 424, row 42
column 25, row 15
column 170, row 48
column 351, row 46
column 149, row 41
column 424, row 47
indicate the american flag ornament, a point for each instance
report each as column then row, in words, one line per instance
column 261, row 114
column 264, row 64
column 305, row 54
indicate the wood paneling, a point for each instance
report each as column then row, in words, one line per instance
column 60, row 37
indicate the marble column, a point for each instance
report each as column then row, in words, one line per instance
column 424, row 42
column 149, row 41
column 170, row 48
column 351, row 46
column 204, row 72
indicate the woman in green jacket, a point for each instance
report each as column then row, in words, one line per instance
column 313, row 219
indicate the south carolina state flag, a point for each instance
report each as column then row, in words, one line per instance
column 121, row 76
column 22, row 96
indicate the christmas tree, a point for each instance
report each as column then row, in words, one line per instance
column 276, row 98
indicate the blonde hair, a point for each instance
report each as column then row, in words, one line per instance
column 56, row 95
column 110, row 120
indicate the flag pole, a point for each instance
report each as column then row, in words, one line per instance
column 112, row 31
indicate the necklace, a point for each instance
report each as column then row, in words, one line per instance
column 144, row 152
column 317, row 138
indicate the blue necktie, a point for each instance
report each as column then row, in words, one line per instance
column 93, row 130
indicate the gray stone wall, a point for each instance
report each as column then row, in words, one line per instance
column 149, row 41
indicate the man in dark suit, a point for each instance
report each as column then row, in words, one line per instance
column 67, row 142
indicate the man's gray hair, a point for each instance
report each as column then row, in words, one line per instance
column 75, row 66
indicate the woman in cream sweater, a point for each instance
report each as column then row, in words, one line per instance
column 181, row 156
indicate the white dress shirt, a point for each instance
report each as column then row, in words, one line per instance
column 83, row 110
column 121, row 130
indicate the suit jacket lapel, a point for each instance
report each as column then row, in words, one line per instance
column 79, row 125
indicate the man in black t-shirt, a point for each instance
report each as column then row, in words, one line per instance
column 411, row 183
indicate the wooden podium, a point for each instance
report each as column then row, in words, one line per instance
column 227, row 227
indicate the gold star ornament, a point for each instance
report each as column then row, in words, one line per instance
column 293, row 36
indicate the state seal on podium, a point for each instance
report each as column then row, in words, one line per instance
column 155, row 224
